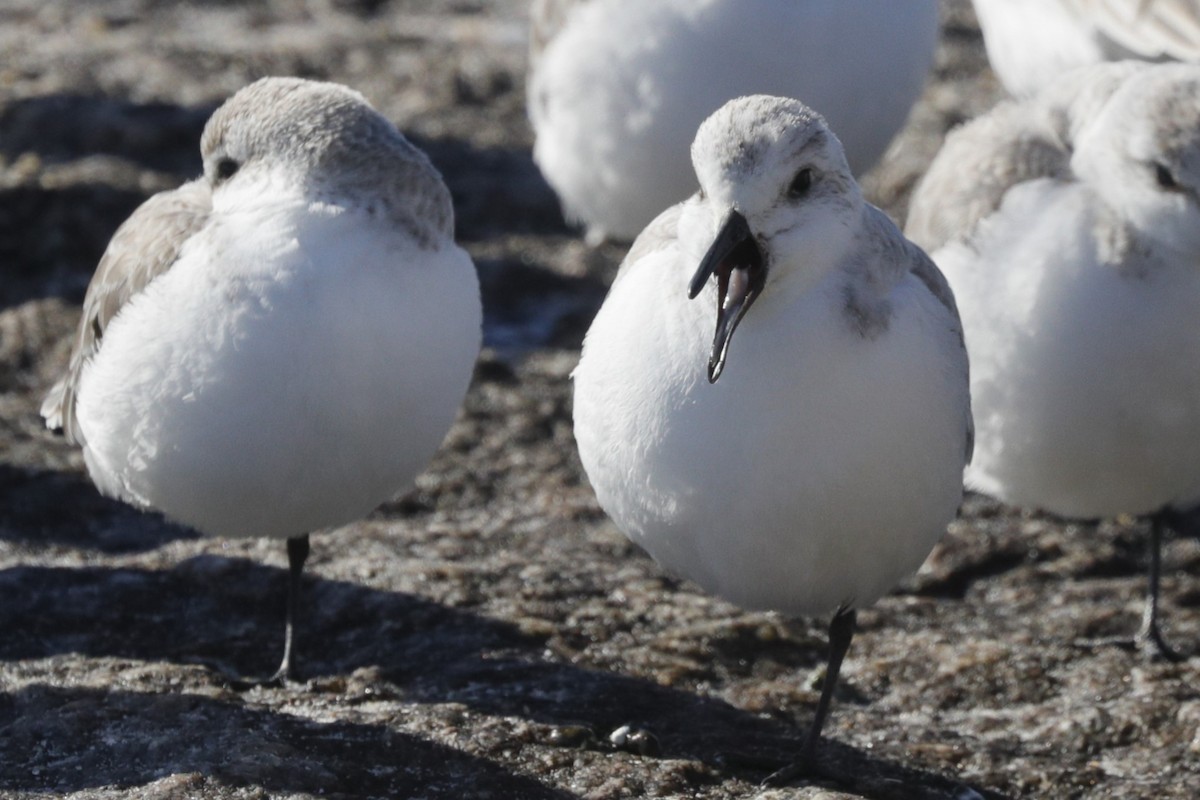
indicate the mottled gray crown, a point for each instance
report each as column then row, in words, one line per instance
column 329, row 137
column 742, row 131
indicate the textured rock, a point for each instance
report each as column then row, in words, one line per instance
column 484, row 635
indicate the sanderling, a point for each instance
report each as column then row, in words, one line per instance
column 1029, row 42
column 1075, row 266
column 617, row 88
column 810, row 462
column 280, row 345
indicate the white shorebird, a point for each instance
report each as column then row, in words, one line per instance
column 810, row 464
column 1030, row 42
column 617, row 88
column 1069, row 228
column 280, row 345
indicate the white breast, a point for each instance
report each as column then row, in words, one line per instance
column 297, row 366
column 1085, row 403
column 818, row 471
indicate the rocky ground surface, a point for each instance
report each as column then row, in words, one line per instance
column 484, row 635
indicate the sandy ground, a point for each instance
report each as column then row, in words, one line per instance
column 484, row 635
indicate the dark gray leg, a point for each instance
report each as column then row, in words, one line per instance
column 297, row 549
column 841, row 632
column 1150, row 639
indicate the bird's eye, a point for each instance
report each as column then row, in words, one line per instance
column 800, row 184
column 1166, row 180
column 226, row 168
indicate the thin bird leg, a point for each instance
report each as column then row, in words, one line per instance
column 1150, row 639
column 841, row 632
column 297, row 549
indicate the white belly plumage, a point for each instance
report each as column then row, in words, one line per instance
column 1083, row 401
column 253, row 391
column 817, row 472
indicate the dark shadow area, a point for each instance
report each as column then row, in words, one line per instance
column 496, row 191
column 65, row 127
column 52, row 239
column 45, row 507
column 742, row 648
column 1123, row 555
column 526, row 306
column 68, row 740
column 685, row 725
column 984, row 552
column 53, row 232
column 229, row 613
column 954, row 583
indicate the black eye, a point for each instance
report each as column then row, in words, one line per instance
column 1164, row 177
column 226, row 168
column 800, row 184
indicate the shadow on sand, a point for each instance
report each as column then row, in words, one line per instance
column 228, row 612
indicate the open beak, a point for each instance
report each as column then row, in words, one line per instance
column 738, row 263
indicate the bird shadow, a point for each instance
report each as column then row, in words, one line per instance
column 526, row 306
column 683, row 725
column 228, row 612
column 48, row 507
column 71, row 739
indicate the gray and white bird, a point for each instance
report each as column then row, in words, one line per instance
column 280, row 345
column 1069, row 227
column 617, row 88
column 1031, row 42
column 807, row 455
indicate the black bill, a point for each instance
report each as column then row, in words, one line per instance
column 738, row 263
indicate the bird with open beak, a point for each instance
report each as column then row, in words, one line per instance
column 809, row 463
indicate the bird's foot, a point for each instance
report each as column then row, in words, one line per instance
column 1103, row 642
column 1149, row 643
column 284, row 675
column 238, row 682
column 805, row 766
column 224, row 673
column 1152, row 645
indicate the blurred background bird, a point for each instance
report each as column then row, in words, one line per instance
column 1068, row 225
column 617, row 88
column 1030, row 42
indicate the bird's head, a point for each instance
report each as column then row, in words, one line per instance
column 777, row 206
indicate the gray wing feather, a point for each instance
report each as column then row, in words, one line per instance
column 927, row 272
column 1018, row 141
column 916, row 261
column 661, row 233
column 977, row 165
column 144, row 247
